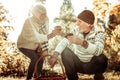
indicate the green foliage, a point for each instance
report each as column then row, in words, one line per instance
column 112, row 42
column 112, row 48
column 66, row 20
column 11, row 61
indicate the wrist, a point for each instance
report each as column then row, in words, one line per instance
column 55, row 54
column 51, row 35
column 84, row 44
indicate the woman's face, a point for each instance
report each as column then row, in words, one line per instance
column 83, row 26
column 41, row 16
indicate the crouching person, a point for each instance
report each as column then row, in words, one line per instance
column 33, row 39
column 87, row 56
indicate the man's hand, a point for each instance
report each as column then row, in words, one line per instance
column 75, row 40
column 53, row 59
column 68, row 34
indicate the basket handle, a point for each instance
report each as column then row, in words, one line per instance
column 35, row 69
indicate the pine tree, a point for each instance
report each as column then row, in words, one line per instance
column 40, row 1
column 67, row 17
column 66, row 20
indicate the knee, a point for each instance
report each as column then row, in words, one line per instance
column 34, row 60
column 103, row 59
column 64, row 53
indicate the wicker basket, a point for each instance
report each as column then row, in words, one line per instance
column 52, row 75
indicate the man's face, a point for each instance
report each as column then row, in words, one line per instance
column 83, row 26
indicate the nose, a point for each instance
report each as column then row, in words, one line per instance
column 77, row 23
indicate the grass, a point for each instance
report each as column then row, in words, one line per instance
column 108, row 76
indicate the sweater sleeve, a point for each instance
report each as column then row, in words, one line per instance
column 62, row 45
column 98, row 46
column 30, row 34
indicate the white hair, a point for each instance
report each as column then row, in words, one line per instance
column 38, row 9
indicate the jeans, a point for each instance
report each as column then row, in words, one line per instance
column 74, row 65
column 33, row 56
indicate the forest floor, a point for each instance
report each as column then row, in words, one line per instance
column 108, row 76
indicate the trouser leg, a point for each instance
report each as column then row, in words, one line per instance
column 31, row 69
column 97, row 66
column 33, row 55
column 39, row 67
column 70, row 61
column 72, row 65
column 102, row 59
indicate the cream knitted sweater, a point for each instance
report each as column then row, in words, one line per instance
column 32, row 34
column 95, row 40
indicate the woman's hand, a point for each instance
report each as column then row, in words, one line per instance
column 44, row 53
column 57, row 30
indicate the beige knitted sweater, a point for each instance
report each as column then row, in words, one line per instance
column 32, row 34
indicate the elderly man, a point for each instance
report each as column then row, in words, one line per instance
column 87, row 56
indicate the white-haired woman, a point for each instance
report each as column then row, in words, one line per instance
column 35, row 35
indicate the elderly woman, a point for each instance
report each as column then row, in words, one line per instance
column 34, row 36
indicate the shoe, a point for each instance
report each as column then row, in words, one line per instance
column 99, row 76
column 31, row 79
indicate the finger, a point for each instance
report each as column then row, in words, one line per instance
column 53, row 62
column 69, row 37
column 52, row 65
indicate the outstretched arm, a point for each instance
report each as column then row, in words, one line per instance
column 58, row 50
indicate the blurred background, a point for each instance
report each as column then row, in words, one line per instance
column 13, row 64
